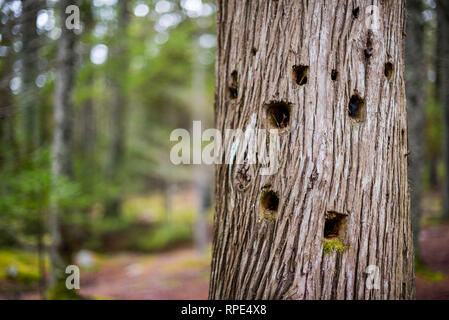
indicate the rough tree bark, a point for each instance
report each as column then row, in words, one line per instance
column 62, row 135
column 443, row 88
column 336, row 89
column 415, row 72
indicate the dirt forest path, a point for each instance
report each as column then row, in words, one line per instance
column 180, row 274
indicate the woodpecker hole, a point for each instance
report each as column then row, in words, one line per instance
column 300, row 74
column 355, row 12
column 278, row 115
column 254, row 51
column 388, row 71
column 335, row 225
column 334, row 75
column 356, row 108
column 269, row 204
column 368, row 52
column 233, row 88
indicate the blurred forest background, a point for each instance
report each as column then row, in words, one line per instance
column 85, row 121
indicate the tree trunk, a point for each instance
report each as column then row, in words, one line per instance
column 8, row 145
column 30, row 42
column 118, row 109
column 202, row 191
column 334, row 221
column 62, row 135
column 41, row 259
column 87, row 135
column 433, row 172
column 443, row 88
column 201, row 174
column 415, row 74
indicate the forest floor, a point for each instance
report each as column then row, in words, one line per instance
column 184, row 274
column 180, row 274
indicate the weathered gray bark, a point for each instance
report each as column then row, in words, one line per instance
column 415, row 73
column 62, row 135
column 443, row 88
column 342, row 158
column 88, row 132
column 117, row 133
column 30, row 47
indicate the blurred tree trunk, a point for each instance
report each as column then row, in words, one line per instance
column 439, row 47
column 62, row 138
column 443, row 87
column 201, row 181
column 415, row 75
column 202, row 188
column 30, row 47
column 8, row 145
column 117, row 133
column 88, row 128
column 435, row 154
column 433, row 171
column 168, row 189
column 30, row 106
column 320, row 75
column 86, row 135
column 6, row 112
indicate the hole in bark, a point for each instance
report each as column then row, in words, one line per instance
column 300, row 74
column 388, row 71
column 355, row 12
column 233, row 90
column 269, row 204
column 368, row 52
column 334, row 75
column 278, row 115
column 335, row 225
column 254, row 51
column 356, row 108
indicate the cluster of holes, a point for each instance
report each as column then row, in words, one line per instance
column 300, row 74
column 334, row 225
column 388, row 70
column 278, row 115
column 269, row 204
column 233, row 88
column 356, row 108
